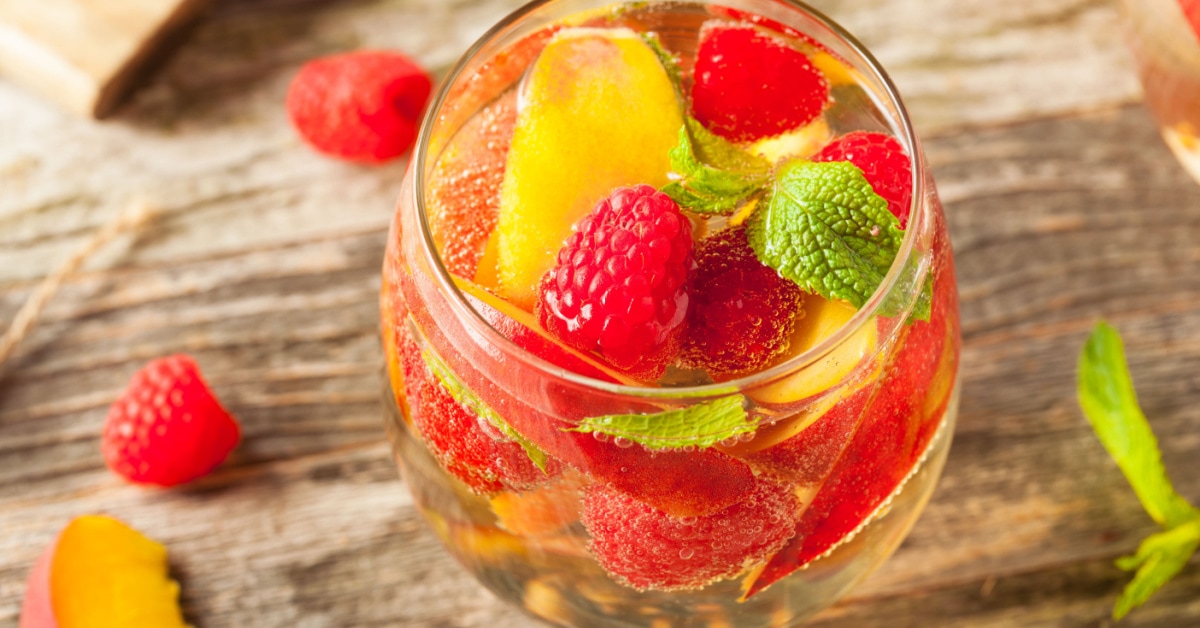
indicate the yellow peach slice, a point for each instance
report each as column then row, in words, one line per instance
column 487, row 274
column 100, row 573
column 522, row 328
column 835, row 70
column 598, row 111
column 542, row 511
column 802, row 142
column 770, row 435
column 822, row 318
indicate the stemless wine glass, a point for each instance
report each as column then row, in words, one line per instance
column 493, row 421
column 1166, row 46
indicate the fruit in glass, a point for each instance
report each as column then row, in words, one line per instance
column 669, row 314
column 1164, row 36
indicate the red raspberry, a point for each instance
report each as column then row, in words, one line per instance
column 648, row 549
column 742, row 312
column 750, row 84
column 884, row 163
column 359, row 106
column 1191, row 12
column 620, row 286
column 463, row 443
column 767, row 23
column 167, row 428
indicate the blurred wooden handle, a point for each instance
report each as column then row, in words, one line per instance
column 88, row 54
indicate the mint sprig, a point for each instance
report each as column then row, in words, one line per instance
column 715, row 176
column 827, row 230
column 463, row 395
column 669, row 61
column 895, row 303
column 1110, row 404
column 702, row 425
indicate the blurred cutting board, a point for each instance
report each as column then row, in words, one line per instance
column 88, row 54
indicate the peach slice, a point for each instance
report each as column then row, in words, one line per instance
column 542, row 511
column 597, row 111
column 802, row 142
column 464, row 190
column 101, row 573
column 822, row 318
column 522, row 328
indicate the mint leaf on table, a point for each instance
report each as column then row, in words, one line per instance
column 702, row 425
column 715, row 176
column 1159, row 557
column 1110, row 404
column 824, row 228
column 463, row 395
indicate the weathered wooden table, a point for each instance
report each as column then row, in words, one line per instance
column 1064, row 206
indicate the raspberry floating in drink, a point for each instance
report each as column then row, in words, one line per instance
column 619, row 287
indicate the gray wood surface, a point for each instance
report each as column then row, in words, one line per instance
column 1063, row 203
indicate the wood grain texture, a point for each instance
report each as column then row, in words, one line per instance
column 88, row 54
column 1064, row 207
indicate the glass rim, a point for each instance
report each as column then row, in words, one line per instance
column 475, row 321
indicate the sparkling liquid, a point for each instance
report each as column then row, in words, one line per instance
column 852, row 458
column 1168, row 57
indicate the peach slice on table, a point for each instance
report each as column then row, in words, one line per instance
column 101, row 573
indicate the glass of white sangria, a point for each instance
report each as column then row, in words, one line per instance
column 1165, row 38
column 670, row 314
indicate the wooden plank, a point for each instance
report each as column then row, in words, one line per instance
column 1027, row 490
column 1064, row 207
column 88, row 54
column 982, row 62
column 1078, row 594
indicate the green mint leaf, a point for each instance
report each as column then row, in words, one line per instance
column 464, row 396
column 924, row 307
column 701, row 425
column 895, row 303
column 1110, row 404
column 720, row 153
column 669, row 61
column 1158, row 559
column 824, row 228
column 1108, row 400
column 715, row 176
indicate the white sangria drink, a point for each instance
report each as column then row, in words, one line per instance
column 670, row 314
column 1165, row 38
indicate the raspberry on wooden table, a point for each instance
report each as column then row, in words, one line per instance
column 167, row 428
column 359, row 106
column 620, row 284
